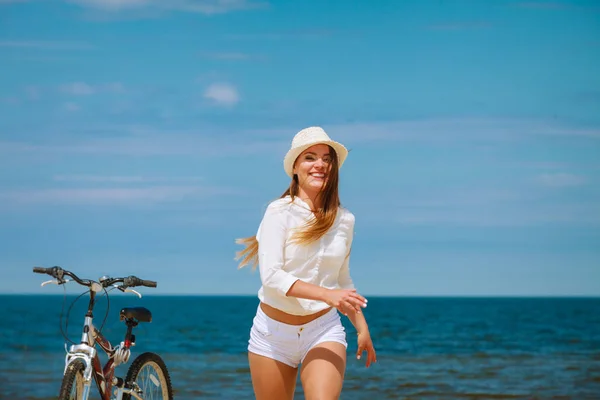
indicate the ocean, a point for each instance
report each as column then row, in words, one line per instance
column 427, row 348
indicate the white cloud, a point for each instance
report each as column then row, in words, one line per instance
column 561, row 180
column 12, row 100
column 223, row 94
column 443, row 130
column 542, row 5
column 557, row 6
column 148, row 143
column 232, row 56
column 460, row 26
column 72, row 107
column 289, row 34
column 33, row 92
column 114, row 87
column 142, row 141
column 78, row 89
column 512, row 206
column 46, row 45
column 122, row 179
column 112, row 4
column 499, row 215
column 109, row 196
column 85, row 89
column 197, row 6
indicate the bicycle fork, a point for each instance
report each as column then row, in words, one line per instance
column 86, row 354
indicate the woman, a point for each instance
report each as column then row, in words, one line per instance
column 302, row 248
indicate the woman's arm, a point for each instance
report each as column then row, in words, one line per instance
column 356, row 317
column 365, row 343
column 271, row 241
column 359, row 321
column 342, row 299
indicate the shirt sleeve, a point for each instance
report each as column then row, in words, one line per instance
column 344, row 278
column 271, row 237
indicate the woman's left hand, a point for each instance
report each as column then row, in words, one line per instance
column 366, row 344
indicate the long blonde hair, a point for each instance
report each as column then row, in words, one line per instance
column 315, row 228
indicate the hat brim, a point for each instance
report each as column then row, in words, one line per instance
column 292, row 154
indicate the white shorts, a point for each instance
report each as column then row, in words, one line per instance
column 289, row 344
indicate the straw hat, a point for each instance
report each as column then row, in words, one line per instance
column 309, row 137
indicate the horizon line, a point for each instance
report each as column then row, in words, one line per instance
column 146, row 294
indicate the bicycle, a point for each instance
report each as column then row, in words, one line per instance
column 82, row 362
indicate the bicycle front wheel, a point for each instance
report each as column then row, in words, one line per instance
column 149, row 375
column 72, row 383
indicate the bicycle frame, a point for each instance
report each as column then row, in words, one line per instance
column 86, row 351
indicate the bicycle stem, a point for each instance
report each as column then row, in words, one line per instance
column 89, row 316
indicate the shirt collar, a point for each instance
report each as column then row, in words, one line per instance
column 300, row 203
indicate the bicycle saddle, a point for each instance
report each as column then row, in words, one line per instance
column 141, row 314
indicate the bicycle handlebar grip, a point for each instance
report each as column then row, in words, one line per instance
column 132, row 281
column 41, row 270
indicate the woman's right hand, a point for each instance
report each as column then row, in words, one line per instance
column 345, row 299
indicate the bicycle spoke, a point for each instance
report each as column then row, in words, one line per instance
column 150, row 382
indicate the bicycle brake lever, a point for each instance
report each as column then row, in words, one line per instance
column 55, row 282
column 132, row 291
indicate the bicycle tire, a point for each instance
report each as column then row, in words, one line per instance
column 155, row 362
column 73, row 372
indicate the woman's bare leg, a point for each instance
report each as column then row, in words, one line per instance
column 272, row 379
column 323, row 371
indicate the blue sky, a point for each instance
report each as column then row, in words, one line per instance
column 142, row 137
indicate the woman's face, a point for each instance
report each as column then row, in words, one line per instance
column 312, row 167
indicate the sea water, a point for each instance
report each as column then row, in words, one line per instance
column 427, row 348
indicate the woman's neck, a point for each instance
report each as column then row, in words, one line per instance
column 311, row 199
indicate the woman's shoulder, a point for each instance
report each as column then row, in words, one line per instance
column 275, row 210
column 346, row 215
column 279, row 205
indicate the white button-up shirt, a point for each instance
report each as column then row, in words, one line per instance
column 281, row 262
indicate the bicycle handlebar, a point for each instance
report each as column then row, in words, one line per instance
column 58, row 273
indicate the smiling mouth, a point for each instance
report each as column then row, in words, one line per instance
column 318, row 175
